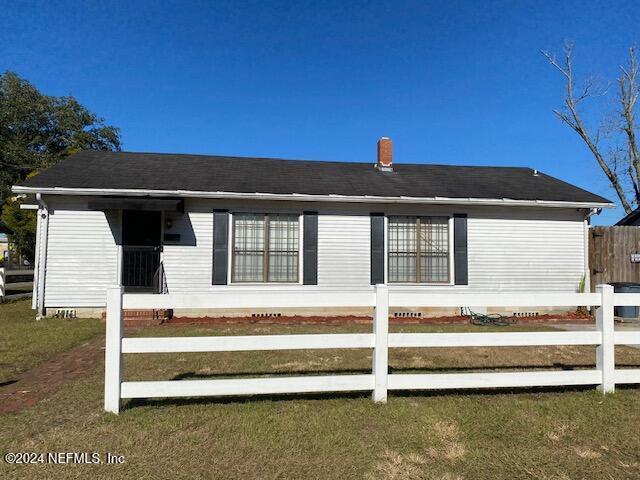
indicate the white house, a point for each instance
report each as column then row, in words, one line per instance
column 210, row 224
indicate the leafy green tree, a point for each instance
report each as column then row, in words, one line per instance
column 23, row 225
column 36, row 132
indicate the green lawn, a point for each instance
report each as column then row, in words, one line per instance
column 25, row 342
column 475, row 435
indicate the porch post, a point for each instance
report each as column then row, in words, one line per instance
column 43, row 212
column 113, row 350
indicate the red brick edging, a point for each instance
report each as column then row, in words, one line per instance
column 44, row 380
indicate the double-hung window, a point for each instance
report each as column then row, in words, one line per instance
column 418, row 250
column 265, row 248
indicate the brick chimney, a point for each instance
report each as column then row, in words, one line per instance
column 385, row 155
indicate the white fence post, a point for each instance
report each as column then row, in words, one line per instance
column 113, row 351
column 605, row 355
column 381, row 348
column 3, row 282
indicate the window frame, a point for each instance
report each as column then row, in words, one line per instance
column 265, row 251
column 450, row 250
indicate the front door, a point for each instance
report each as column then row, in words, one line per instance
column 141, row 246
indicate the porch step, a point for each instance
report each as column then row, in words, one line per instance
column 144, row 318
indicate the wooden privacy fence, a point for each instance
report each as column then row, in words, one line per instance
column 379, row 381
column 612, row 254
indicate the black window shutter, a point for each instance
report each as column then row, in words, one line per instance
column 460, row 249
column 220, row 246
column 377, row 248
column 310, row 249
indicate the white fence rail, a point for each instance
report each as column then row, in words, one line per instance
column 8, row 284
column 379, row 381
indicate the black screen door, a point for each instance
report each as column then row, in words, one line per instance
column 141, row 245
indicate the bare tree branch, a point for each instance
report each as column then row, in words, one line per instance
column 628, row 100
column 571, row 117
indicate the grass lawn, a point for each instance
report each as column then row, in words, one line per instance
column 25, row 342
column 483, row 435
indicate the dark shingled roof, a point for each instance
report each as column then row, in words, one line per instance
column 154, row 171
column 630, row 220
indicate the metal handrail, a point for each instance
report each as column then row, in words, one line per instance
column 160, row 280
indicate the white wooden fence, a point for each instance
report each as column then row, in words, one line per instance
column 379, row 381
column 7, row 284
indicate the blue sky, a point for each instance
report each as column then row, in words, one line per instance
column 451, row 82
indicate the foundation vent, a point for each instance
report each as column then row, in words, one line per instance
column 66, row 313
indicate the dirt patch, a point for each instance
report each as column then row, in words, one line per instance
column 394, row 465
column 49, row 377
column 451, row 447
column 410, row 466
column 558, row 433
column 586, row 453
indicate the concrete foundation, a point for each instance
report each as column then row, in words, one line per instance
column 405, row 312
column 72, row 312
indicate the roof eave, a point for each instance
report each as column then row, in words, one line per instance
column 303, row 197
column 630, row 217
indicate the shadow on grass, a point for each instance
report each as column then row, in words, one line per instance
column 248, row 399
column 337, row 371
column 244, row 399
column 289, row 397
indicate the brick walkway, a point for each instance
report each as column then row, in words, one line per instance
column 49, row 377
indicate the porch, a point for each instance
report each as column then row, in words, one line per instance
column 141, row 236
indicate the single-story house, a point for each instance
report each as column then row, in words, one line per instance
column 168, row 223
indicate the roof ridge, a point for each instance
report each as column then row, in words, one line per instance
column 278, row 159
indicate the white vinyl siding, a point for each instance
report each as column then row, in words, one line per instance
column 517, row 254
column 188, row 262
column 509, row 249
column 344, row 250
column 82, row 255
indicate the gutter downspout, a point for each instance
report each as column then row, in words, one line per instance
column 587, row 267
column 43, row 212
column 36, row 266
